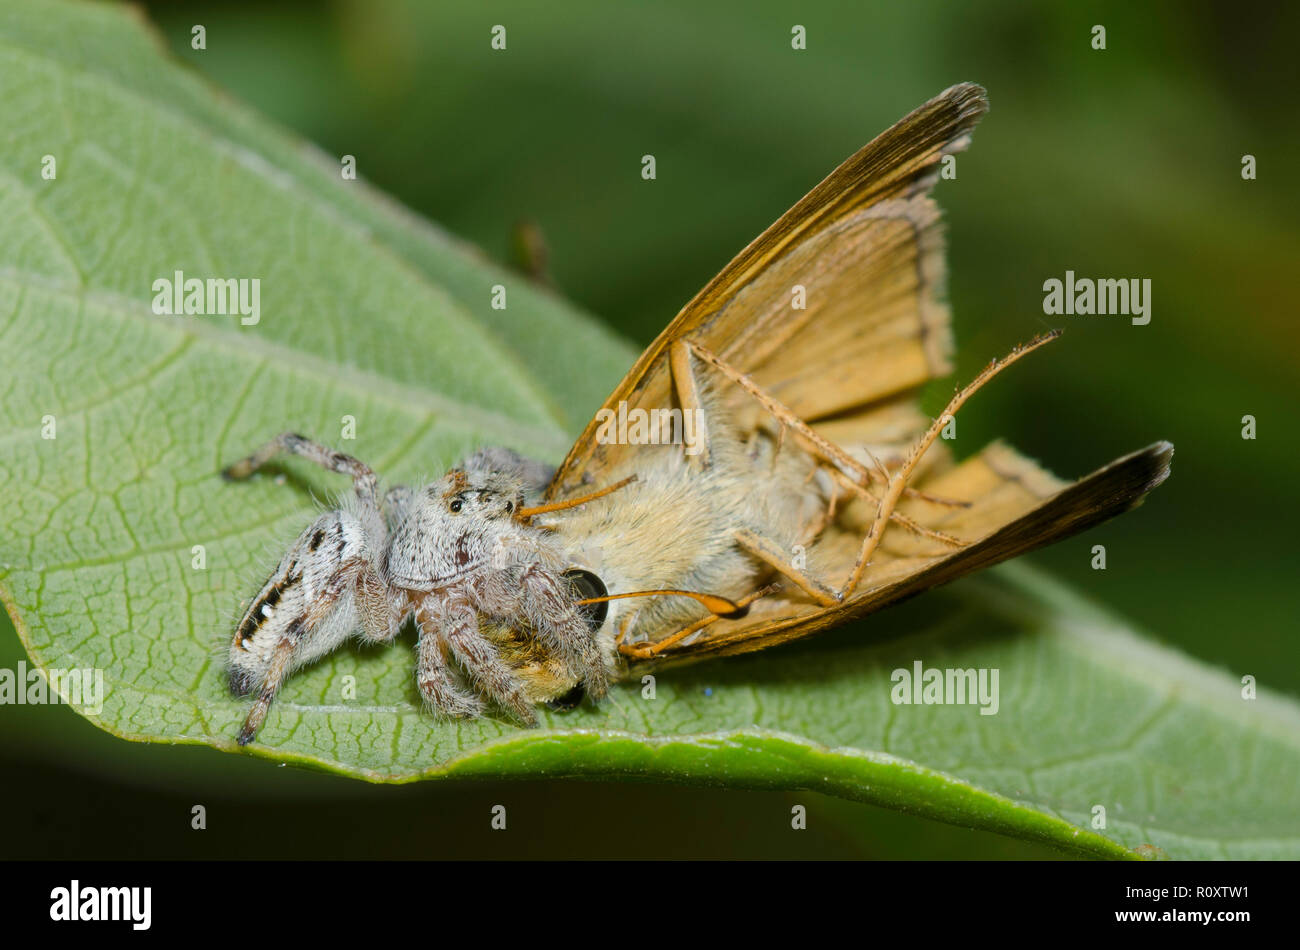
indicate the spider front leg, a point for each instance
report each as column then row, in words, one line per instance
column 452, row 624
column 434, row 677
column 549, row 606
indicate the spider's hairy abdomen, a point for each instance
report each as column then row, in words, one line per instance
column 283, row 607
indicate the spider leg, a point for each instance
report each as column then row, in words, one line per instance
column 434, row 677
column 364, row 481
column 459, row 629
column 552, row 614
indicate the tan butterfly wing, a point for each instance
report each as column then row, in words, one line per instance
column 866, row 246
column 866, row 249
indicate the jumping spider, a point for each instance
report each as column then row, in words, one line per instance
column 450, row 554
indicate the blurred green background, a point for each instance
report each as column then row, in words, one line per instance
column 1120, row 163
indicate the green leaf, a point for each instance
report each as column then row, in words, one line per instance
column 366, row 312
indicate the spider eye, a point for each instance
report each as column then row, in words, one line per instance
column 456, row 505
column 510, row 507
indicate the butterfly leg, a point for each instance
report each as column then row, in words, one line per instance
column 766, row 550
column 898, row 481
column 649, row 650
column 688, row 395
column 846, row 468
column 770, row 553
